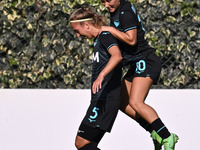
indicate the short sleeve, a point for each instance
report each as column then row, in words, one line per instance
column 108, row 40
column 128, row 18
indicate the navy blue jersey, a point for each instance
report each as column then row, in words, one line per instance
column 126, row 18
column 101, row 56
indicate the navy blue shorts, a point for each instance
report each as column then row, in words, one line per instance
column 148, row 67
column 102, row 114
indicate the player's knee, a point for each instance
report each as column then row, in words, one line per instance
column 80, row 142
column 77, row 144
column 135, row 105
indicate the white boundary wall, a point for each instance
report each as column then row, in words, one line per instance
column 48, row 120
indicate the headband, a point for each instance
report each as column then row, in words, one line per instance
column 81, row 20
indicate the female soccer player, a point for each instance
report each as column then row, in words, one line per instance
column 144, row 70
column 106, row 79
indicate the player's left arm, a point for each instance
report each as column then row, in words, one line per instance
column 112, row 63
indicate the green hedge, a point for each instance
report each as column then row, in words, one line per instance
column 38, row 48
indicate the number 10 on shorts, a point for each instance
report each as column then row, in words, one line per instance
column 140, row 66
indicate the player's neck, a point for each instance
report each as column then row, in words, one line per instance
column 96, row 31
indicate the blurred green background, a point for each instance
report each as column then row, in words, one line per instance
column 38, row 48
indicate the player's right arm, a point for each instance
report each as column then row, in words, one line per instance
column 112, row 63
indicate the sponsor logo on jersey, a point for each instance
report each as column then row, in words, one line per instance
column 96, row 57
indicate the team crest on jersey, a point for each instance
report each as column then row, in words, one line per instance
column 116, row 22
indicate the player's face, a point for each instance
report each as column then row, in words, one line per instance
column 111, row 5
column 81, row 29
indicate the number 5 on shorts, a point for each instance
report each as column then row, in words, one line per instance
column 95, row 110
